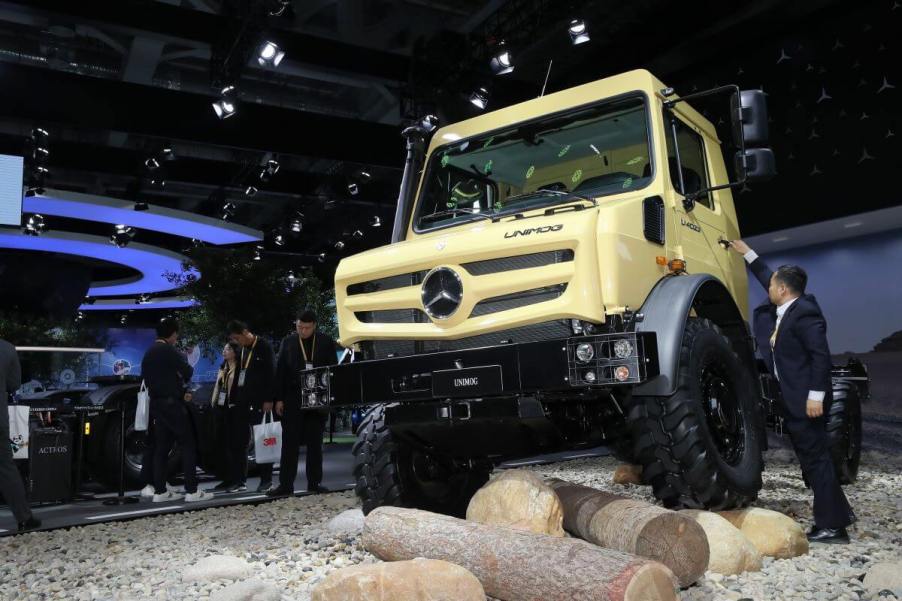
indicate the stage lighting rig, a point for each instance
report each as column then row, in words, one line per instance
column 270, row 55
column 278, row 238
column 296, row 223
column 480, row 98
column 227, row 105
column 579, row 32
column 228, row 211
column 503, row 61
column 34, row 225
column 375, row 221
column 122, row 235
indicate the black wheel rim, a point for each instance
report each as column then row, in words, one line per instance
column 135, row 442
column 432, row 479
column 723, row 412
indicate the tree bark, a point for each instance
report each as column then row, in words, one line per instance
column 514, row 565
column 635, row 527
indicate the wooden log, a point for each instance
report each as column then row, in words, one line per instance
column 635, row 527
column 515, row 565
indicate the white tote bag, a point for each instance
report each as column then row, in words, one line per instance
column 18, row 431
column 268, row 440
column 142, row 412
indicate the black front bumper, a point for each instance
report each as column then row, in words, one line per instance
column 548, row 366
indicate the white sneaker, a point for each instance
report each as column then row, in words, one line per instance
column 147, row 491
column 174, row 489
column 200, row 495
column 166, row 497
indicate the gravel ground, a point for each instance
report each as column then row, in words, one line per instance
column 288, row 545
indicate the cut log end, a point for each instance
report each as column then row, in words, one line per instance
column 678, row 543
column 651, row 582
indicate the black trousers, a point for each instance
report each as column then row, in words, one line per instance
column 240, row 441
column 173, row 423
column 11, row 484
column 147, row 459
column 301, row 428
column 232, row 429
column 809, row 439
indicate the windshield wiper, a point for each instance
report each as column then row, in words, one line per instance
column 560, row 193
column 453, row 213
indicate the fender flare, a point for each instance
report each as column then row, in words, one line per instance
column 665, row 312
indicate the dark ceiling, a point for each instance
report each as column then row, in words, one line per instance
column 115, row 80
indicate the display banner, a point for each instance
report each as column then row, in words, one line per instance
column 11, row 168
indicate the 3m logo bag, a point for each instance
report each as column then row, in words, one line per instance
column 18, row 431
column 268, row 440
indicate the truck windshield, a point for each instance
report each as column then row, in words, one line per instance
column 593, row 152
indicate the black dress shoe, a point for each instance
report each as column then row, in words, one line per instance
column 31, row 523
column 264, row 486
column 279, row 491
column 317, row 488
column 835, row 536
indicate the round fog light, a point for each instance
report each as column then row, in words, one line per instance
column 311, row 380
column 311, row 399
column 324, row 378
column 589, row 377
column 622, row 373
column 585, row 353
column 623, row 349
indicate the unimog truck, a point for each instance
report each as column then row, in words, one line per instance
column 560, row 277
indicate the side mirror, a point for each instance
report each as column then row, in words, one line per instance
column 755, row 165
column 748, row 109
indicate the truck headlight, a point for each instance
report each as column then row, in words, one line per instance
column 622, row 373
column 324, row 379
column 623, row 348
column 311, row 380
column 589, row 377
column 585, row 352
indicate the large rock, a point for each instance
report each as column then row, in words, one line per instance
column 415, row 580
column 628, row 474
column 521, row 500
column 248, row 590
column 348, row 522
column 884, row 576
column 218, row 567
column 772, row 533
column 730, row 551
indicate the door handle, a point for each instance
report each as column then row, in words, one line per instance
column 724, row 242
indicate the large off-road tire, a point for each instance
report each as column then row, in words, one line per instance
column 390, row 471
column 701, row 447
column 844, row 434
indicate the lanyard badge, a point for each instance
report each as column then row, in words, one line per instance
column 308, row 361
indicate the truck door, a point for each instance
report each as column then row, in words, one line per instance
column 699, row 230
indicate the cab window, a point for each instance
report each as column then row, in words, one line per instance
column 692, row 157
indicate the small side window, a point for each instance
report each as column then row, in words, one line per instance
column 692, row 157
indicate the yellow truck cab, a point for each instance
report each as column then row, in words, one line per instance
column 559, row 277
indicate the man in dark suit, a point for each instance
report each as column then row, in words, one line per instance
column 10, row 481
column 302, row 350
column 792, row 338
column 254, row 392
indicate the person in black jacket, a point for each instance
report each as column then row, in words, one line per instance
column 231, row 423
column 256, row 371
column 166, row 373
column 791, row 333
column 302, row 350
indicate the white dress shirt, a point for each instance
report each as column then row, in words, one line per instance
column 813, row 395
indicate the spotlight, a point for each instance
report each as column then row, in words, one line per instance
column 480, row 98
column 278, row 238
column 42, row 171
column 340, row 245
column 296, row 223
column 89, row 300
column 226, row 106
column 321, row 257
column 41, row 153
column 158, row 182
column 142, row 299
column 353, row 189
column 34, row 225
column 579, row 33
column 357, row 234
column 258, row 253
column 272, row 167
column 152, row 163
column 250, row 191
column 270, row 55
column 364, row 176
column 502, row 62
column 122, row 235
column 123, row 319
column 375, row 221
column 167, row 153
column 141, row 206
column 228, row 211
column 37, row 191
column 79, row 316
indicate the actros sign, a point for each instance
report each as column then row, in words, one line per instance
column 535, row 230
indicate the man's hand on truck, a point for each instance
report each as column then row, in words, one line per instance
column 739, row 246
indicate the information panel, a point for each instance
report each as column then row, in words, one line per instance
column 11, row 169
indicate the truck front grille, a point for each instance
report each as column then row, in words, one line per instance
column 391, row 282
column 518, row 299
column 518, row 262
column 392, row 316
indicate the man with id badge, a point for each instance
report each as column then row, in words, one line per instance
column 305, row 349
column 254, row 394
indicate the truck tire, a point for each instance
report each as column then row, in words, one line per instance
column 844, row 435
column 390, row 471
column 107, row 471
column 700, row 448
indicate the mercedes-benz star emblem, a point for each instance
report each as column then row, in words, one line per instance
column 442, row 292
